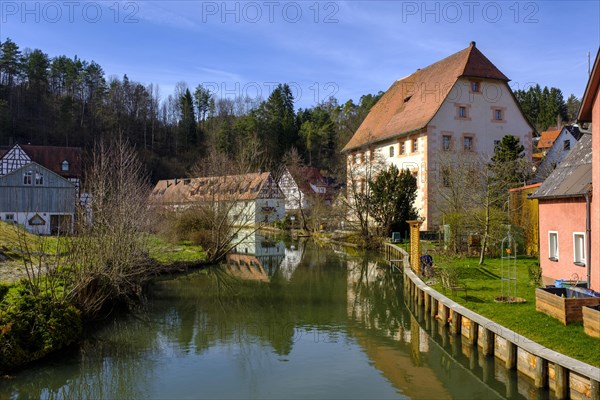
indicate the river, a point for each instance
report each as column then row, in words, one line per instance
column 280, row 320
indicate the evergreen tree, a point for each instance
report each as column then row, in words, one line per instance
column 573, row 104
column 393, row 193
column 188, row 119
column 508, row 166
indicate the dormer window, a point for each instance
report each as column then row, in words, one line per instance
column 64, row 166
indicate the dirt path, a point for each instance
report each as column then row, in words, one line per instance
column 11, row 272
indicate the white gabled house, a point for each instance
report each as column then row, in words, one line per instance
column 460, row 107
column 254, row 198
column 37, row 198
column 301, row 186
column 561, row 146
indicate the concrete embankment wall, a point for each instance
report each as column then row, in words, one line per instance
column 565, row 376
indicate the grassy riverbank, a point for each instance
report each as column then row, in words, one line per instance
column 484, row 284
column 38, row 314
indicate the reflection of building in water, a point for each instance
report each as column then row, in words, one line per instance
column 369, row 299
column 371, row 304
column 245, row 266
column 291, row 261
column 255, row 255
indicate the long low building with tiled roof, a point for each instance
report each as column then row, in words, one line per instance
column 458, row 107
column 255, row 197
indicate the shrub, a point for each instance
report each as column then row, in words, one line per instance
column 34, row 326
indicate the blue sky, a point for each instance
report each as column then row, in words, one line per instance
column 341, row 48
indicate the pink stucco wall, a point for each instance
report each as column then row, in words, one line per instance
column 595, row 261
column 564, row 216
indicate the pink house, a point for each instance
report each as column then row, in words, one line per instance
column 569, row 203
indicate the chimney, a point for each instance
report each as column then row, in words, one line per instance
column 472, row 44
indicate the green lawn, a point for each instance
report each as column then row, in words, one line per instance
column 484, row 283
column 168, row 253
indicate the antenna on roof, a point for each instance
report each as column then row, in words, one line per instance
column 589, row 71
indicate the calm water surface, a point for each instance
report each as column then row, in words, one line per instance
column 295, row 321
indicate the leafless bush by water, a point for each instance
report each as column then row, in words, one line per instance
column 109, row 258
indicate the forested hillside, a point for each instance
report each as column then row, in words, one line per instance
column 59, row 100
column 64, row 101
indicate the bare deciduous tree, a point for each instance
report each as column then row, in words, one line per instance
column 109, row 260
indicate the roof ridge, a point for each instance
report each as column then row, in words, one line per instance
column 396, row 114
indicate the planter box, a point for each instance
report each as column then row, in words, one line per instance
column 591, row 321
column 566, row 309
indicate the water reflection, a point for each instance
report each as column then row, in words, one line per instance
column 277, row 320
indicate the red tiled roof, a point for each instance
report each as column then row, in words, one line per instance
column 52, row 157
column 215, row 188
column 409, row 105
column 547, row 139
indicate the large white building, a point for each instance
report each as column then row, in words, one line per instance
column 460, row 106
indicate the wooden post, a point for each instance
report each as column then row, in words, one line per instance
column 415, row 244
column 454, row 343
column 511, row 356
column 473, row 359
column 488, row 342
column 421, row 297
column 541, row 372
column 488, row 370
column 511, row 384
column 595, row 389
column 473, row 333
column 434, row 307
column 562, row 382
column 444, row 315
column 427, row 302
column 456, row 322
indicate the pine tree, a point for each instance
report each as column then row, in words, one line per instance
column 188, row 119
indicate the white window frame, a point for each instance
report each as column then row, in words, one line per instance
column 28, row 178
column 39, row 179
column 446, row 142
column 468, row 147
column 551, row 256
column 392, row 151
column 581, row 260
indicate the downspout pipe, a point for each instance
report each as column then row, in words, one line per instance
column 588, row 238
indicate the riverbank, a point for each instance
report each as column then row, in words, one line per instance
column 549, row 368
column 37, row 319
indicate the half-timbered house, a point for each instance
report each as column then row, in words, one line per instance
column 63, row 161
